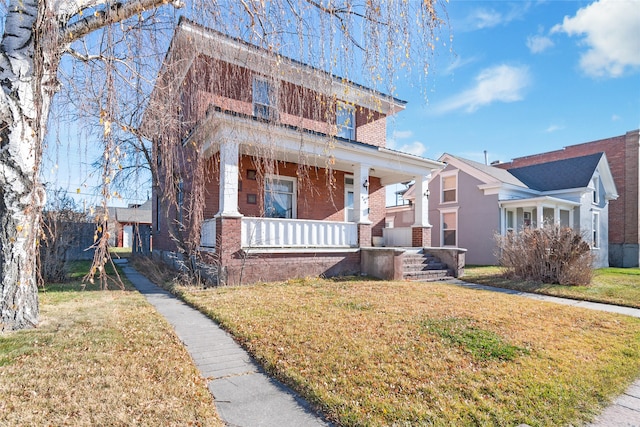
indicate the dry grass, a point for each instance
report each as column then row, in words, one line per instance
column 620, row 286
column 396, row 353
column 99, row 358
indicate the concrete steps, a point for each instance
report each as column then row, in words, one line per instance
column 421, row 266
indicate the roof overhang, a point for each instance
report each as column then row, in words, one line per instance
column 544, row 201
column 289, row 144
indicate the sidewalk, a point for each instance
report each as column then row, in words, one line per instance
column 246, row 397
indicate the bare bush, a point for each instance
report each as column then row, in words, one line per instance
column 59, row 233
column 551, row 254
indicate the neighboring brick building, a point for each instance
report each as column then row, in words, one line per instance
column 295, row 161
column 624, row 161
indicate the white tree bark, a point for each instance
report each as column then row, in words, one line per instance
column 33, row 41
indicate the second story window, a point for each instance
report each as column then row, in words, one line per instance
column 264, row 99
column 595, row 183
column 346, row 121
column 449, row 188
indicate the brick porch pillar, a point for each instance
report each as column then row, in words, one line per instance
column 364, row 235
column 420, row 237
column 228, row 244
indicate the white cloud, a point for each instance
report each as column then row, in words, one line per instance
column 538, row 43
column 459, row 63
column 402, row 134
column 415, row 147
column 554, row 128
column 502, row 83
column 610, row 31
column 615, row 118
column 481, row 18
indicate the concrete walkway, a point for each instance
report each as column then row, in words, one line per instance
column 246, row 397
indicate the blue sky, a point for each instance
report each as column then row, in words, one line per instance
column 525, row 77
column 520, row 77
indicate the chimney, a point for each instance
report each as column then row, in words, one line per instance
column 486, row 158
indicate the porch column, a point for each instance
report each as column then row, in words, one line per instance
column 539, row 216
column 229, row 155
column 361, row 194
column 421, row 229
column 421, row 206
column 556, row 215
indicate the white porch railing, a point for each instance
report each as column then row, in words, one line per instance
column 208, row 233
column 297, row 233
column 397, row 237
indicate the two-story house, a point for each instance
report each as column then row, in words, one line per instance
column 292, row 161
column 471, row 202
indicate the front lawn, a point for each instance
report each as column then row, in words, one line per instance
column 397, row 353
column 620, row 286
column 99, row 358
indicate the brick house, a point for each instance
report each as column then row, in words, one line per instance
column 295, row 161
column 624, row 224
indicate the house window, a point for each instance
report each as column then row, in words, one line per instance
column 449, row 229
column 280, row 197
column 595, row 230
column 180, row 201
column 526, row 219
column 346, row 121
column 157, row 212
column 595, row 182
column 510, row 220
column 449, row 188
column 264, row 99
column 348, row 198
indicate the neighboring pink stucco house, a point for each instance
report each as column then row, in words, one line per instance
column 470, row 202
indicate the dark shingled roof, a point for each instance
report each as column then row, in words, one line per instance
column 561, row 174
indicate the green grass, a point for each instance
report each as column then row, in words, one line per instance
column 99, row 358
column 620, row 286
column 381, row 353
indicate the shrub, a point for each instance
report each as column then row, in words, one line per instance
column 551, row 254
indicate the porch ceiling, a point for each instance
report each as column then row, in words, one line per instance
column 290, row 144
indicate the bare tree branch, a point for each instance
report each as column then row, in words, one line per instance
column 116, row 13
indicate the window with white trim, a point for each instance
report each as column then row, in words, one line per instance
column 595, row 182
column 449, row 222
column 264, row 98
column 348, row 198
column 346, row 120
column 595, row 230
column 510, row 220
column 280, row 197
column 449, row 185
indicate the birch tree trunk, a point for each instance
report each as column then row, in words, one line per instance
column 21, row 197
column 35, row 36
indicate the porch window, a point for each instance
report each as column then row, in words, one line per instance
column 348, row 198
column 449, row 228
column 280, row 197
column 264, row 99
column 346, row 121
column 595, row 230
column 510, row 221
column 449, row 188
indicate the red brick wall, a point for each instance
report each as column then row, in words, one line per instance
column 228, row 86
column 242, row 269
column 622, row 153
